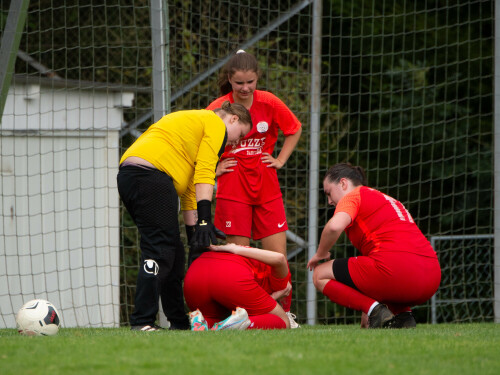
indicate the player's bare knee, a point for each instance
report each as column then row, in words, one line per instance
column 320, row 281
column 316, row 277
column 280, row 313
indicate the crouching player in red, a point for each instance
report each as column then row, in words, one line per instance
column 237, row 278
column 397, row 268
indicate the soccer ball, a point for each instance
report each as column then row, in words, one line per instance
column 37, row 318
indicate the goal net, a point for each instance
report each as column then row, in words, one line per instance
column 406, row 91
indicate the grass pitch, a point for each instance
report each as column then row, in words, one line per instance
column 428, row 349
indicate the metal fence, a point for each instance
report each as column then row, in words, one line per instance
column 404, row 89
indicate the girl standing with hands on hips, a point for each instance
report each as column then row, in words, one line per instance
column 249, row 200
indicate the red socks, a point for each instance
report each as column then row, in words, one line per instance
column 266, row 321
column 346, row 296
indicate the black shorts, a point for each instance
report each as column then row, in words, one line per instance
column 341, row 273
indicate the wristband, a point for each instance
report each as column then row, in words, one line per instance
column 204, row 211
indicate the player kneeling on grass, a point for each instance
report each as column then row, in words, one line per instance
column 239, row 279
column 397, row 268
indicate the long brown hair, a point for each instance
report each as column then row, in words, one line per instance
column 241, row 61
column 346, row 170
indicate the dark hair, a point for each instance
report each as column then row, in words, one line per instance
column 236, row 109
column 346, row 170
column 241, row 61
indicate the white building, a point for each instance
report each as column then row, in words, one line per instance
column 59, row 206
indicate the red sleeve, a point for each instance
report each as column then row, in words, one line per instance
column 277, row 283
column 217, row 103
column 350, row 204
column 265, row 278
column 282, row 115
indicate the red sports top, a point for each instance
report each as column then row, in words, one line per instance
column 252, row 182
column 381, row 223
column 262, row 272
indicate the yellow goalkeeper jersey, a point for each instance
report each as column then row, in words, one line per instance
column 187, row 146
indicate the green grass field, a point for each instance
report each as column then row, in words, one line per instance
column 439, row 349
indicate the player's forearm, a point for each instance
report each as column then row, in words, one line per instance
column 329, row 236
column 190, row 217
column 326, row 242
column 332, row 232
column 288, row 146
column 204, row 191
column 274, row 259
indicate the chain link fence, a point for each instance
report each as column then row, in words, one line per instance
column 405, row 91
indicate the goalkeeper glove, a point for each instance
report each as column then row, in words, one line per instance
column 193, row 253
column 205, row 233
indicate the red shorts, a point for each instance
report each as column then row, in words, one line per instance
column 396, row 277
column 251, row 221
column 217, row 284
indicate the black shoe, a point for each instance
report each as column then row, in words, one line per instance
column 147, row 328
column 181, row 324
column 404, row 320
column 381, row 317
column 179, row 327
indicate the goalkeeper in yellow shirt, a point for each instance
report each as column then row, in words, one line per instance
column 174, row 158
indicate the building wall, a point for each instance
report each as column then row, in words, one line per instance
column 59, row 205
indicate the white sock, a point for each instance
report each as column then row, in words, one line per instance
column 372, row 307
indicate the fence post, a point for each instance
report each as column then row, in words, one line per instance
column 10, row 44
column 496, row 168
column 314, row 154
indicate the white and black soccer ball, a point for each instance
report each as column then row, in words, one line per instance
column 37, row 317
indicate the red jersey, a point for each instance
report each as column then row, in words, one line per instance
column 262, row 272
column 381, row 223
column 252, row 182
